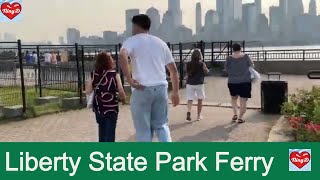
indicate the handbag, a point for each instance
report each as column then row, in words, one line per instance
column 255, row 76
column 90, row 96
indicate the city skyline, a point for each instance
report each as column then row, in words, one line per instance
column 51, row 28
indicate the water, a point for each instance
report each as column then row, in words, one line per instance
column 283, row 48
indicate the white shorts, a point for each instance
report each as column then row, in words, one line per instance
column 195, row 92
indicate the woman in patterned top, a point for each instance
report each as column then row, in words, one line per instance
column 106, row 84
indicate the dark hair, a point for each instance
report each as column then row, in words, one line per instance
column 236, row 47
column 142, row 21
column 104, row 61
column 196, row 64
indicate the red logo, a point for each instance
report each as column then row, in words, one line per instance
column 300, row 159
column 11, row 10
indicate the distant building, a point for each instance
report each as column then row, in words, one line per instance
column 73, row 36
column 129, row 15
column 295, row 8
column 263, row 28
column 249, row 17
column 198, row 17
column 91, row 40
column 258, row 6
column 9, row 37
column 306, row 29
column 175, row 9
column 185, row 34
column 110, row 37
column 61, row 40
column 211, row 18
column 275, row 19
column 230, row 11
column 313, row 8
column 154, row 15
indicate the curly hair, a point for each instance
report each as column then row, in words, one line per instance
column 104, row 61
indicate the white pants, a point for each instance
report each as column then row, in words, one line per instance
column 195, row 92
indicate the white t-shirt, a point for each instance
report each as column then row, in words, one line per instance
column 47, row 57
column 35, row 58
column 149, row 56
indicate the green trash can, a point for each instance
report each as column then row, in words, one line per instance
column 274, row 92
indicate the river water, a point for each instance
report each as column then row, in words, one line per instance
column 283, row 48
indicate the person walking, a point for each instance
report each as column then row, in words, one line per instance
column 149, row 57
column 47, row 58
column 239, row 81
column 106, row 83
column 196, row 70
column 28, row 57
column 35, row 57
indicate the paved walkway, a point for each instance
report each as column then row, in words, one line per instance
column 217, row 90
column 80, row 126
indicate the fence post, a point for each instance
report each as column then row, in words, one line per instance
column 23, row 90
column 228, row 48
column 39, row 72
column 231, row 44
column 202, row 46
column 121, row 74
column 304, row 55
column 181, row 65
column 168, row 44
column 78, row 71
column 265, row 55
column 83, row 72
column 212, row 53
column 117, row 58
column 243, row 45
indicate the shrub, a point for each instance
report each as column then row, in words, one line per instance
column 303, row 113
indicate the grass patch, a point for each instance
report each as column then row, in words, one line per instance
column 46, row 109
column 11, row 96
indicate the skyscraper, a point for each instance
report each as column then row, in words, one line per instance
column 229, row 12
column 73, row 36
column 313, row 7
column 175, row 9
column 129, row 15
column 249, row 17
column 295, row 8
column 154, row 15
column 198, row 17
column 61, row 40
column 258, row 6
column 275, row 17
column 284, row 8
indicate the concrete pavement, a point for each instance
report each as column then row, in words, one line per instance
column 80, row 126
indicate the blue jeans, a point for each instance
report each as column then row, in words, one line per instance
column 107, row 126
column 149, row 108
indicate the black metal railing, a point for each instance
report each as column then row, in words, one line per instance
column 20, row 80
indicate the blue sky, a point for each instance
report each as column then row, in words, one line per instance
column 48, row 19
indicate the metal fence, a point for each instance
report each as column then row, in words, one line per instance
column 21, row 81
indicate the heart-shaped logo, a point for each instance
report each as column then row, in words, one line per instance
column 11, row 10
column 300, row 159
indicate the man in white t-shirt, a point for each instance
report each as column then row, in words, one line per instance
column 149, row 57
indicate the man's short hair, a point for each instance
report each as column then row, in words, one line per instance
column 142, row 21
column 236, row 47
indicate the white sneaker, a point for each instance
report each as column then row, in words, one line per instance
column 199, row 118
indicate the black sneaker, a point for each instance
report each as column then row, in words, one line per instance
column 189, row 116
